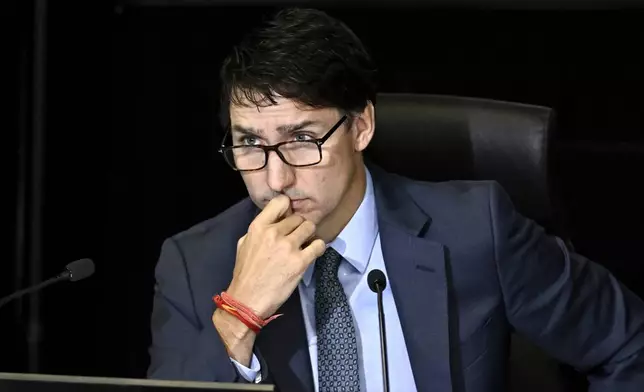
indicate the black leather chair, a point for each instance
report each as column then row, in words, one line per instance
column 436, row 138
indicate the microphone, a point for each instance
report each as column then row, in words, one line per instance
column 74, row 271
column 377, row 283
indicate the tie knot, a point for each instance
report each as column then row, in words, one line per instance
column 329, row 262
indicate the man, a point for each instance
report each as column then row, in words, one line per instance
column 464, row 269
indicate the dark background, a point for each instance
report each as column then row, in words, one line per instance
column 130, row 125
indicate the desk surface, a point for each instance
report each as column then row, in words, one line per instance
column 51, row 383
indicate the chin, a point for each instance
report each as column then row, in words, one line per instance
column 306, row 214
column 310, row 215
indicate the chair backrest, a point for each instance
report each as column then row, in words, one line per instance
column 439, row 138
column 436, row 138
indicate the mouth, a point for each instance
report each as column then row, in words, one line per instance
column 297, row 203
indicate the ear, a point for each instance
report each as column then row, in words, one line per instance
column 363, row 127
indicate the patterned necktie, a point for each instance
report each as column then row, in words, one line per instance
column 337, row 345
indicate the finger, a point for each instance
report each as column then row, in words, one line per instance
column 314, row 250
column 274, row 210
column 302, row 233
column 287, row 225
column 241, row 241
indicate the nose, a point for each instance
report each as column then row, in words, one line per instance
column 280, row 175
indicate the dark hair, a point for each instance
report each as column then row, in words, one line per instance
column 300, row 54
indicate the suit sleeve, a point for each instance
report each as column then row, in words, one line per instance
column 182, row 348
column 572, row 308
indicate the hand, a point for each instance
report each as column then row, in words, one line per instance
column 272, row 258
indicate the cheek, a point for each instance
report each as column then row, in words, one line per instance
column 312, row 184
column 332, row 180
column 254, row 185
column 328, row 187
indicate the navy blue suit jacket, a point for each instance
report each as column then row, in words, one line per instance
column 465, row 269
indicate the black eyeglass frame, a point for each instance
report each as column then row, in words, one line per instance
column 275, row 147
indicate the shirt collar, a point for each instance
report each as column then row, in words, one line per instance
column 355, row 241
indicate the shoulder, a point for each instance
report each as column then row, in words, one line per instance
column 462, row 214
column 203, row 256
column 472, row 214
column 222, row 230
column 454, row 200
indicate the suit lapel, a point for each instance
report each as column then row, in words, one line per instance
column 284, row 346
column 417, row 273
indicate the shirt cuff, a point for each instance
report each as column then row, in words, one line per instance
column 252, row 374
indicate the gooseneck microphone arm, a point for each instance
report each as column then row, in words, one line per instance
column 31, row 289
column 76, row 270
column 377, row 283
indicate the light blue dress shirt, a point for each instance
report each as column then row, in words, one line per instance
column 359, row 244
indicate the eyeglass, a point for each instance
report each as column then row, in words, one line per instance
column 294, row 153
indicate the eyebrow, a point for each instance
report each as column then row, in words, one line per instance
column 287, row 128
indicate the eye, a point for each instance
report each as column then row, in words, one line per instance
column 248, row 141
column 302, row 137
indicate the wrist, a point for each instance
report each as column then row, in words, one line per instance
column 237, row 337
column 231, row 326
column 247, row 315
column 249, row 302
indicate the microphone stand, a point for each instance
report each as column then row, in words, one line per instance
column 17, row 294
column 383, row 340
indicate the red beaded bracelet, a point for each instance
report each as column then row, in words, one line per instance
column 228, row 304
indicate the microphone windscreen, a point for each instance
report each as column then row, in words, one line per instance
column 376, row 278
column 80, row 269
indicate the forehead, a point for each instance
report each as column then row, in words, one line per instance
column 285, row 111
